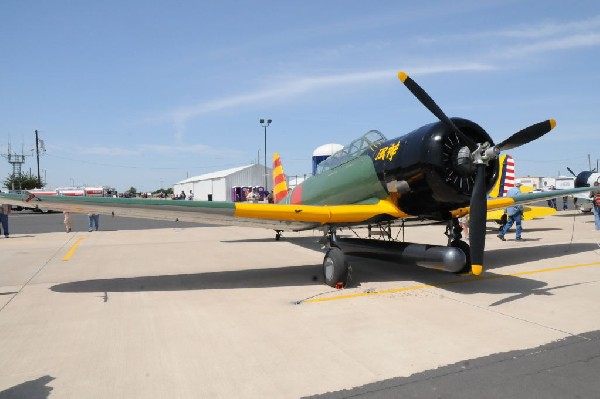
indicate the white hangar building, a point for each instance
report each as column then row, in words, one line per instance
column 217, row 186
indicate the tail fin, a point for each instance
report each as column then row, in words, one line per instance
column 280, row 188
column 506, row 181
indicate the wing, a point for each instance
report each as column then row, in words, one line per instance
column 283, row 217
column 504, row 202
column 529, row 213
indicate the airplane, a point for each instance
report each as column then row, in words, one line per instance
column 587, row 178
column 439, row 172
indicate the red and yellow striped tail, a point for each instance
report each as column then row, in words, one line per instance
column 280, row 188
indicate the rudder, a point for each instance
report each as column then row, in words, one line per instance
column 506, row 179
column 280, row 189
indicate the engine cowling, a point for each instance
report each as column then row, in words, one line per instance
column 431, row 168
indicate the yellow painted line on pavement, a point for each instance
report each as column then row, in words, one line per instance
column 73, row 248
column 468, row 280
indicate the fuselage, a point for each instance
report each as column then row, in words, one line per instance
column 427, row 172
column 586, row 179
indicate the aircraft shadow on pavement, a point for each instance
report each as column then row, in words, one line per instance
column 518, row 286
column 513, row 229
column 577, row 215
column 305, row 242
column 492, row 283
column 251, row 278
column 34, row 389
column 362, row 275
column 500, row 257
column 364, row 272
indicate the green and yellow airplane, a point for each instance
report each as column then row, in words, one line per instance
column 440, row 172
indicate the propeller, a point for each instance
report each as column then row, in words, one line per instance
column 571, row 171
column 428, row 102
column 478, row 210
column 480, row 157
column 527, row 135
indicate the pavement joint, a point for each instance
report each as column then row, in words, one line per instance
column 59, row 249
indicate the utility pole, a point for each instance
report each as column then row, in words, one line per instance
column 37, row 155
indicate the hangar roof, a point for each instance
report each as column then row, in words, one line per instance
column 215, row 175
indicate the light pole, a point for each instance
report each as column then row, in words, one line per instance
column 264, row 123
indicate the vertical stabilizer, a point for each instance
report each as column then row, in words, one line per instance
column 280, row 188
column 506, row 179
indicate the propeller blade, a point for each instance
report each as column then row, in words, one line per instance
column 573, row 173
column 526, row 135
column 477, row 221
column 428, row 102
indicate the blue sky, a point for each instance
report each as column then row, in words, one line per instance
column 147, row 93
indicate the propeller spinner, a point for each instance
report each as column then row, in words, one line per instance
column 482, row 155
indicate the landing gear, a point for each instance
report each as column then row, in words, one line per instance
column 335, row 268
column 278, row 234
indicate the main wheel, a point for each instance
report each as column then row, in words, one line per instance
column 463, row 246
column 335, row 267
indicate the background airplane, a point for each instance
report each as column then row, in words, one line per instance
column 440, row 172
column 587, row 178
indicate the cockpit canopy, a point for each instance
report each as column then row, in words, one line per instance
column 352, row 150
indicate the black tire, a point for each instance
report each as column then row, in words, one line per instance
column 463, row 246
column 335, row 268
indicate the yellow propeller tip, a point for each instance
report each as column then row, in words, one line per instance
column 552, row 123
column 476, row 269
column 402, row 76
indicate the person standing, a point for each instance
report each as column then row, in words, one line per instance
column 5, row 210
column 191, row 196
column 597, row 210
column 515, row 214
column 565, row 202
column 552, row 201
column 464, row 224
column 252, row 196
column 67, row 221
column 93, row 221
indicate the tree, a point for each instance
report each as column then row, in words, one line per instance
column 167, row 191
column 132, row 190
column 23, row 182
